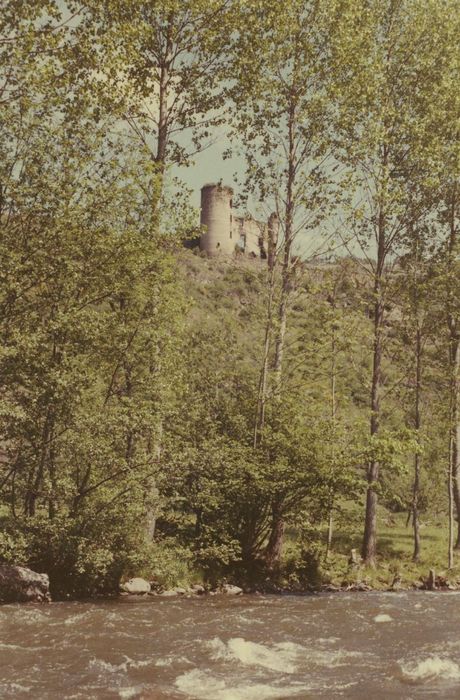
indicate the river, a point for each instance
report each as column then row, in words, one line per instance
column 359, row 646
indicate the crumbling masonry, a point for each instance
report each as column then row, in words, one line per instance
column 226, row 233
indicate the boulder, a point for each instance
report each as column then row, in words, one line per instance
column 198, row 589
column 231, row 590
column 21, row 585
column 136, row 586
column 170, row 593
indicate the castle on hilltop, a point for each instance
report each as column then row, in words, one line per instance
column 226, row 233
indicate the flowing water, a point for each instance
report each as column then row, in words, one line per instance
column 360, row 646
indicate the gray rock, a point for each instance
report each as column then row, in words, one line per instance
column 228, row 589
column 170, row 594
column 198, row 589
column 21, row 585
column 136, row 586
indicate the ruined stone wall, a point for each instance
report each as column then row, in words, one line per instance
column 255, row 233
column 226, row 232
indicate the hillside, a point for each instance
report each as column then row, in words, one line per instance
column 229, row 295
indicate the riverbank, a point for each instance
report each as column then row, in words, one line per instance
column 172, row 574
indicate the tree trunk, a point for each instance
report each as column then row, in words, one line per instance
column 36, row 479
column 273, row 230
column 52, row 506
column 455, row 428
column 415, row 519
column 454, row 362
column 259, row 423
column 333, row 421
column 330, row 523
column 454, row 466
column 450, row 554
column 369, row 546
column 287, row 252
column 417, row 425
column 198, row 522
column 275, row 542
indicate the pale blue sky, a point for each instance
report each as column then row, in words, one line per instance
column 210, row 166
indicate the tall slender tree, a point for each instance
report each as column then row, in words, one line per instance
column 161, row 68
column 397, row 46
column 283, row 117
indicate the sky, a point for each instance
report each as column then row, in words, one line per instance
column 210, row 166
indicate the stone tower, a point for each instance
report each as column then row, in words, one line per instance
column 216, row 215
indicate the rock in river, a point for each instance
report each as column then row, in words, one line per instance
column 231, row 590
column 136, row 586
column 21, row 585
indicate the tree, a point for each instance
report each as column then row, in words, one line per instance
column 283, row 118
column 436, row 163
column 88, row 312
column 160, row 68
column 378, row 135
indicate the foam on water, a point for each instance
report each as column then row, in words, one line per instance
column 328, row 640
column 429, row 669
column 203, row 685
column 165, row 661
column 23, row 614
column 383, row 617
column 129, row 692
column 106, row 667
column 75, row 619
column 3, row 645
column 279, row 657
column 8, row 689
column 224, row 649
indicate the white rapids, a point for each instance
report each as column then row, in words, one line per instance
column 430, row 669
column 319, row 647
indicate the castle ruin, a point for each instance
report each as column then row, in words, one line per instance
column 226, row 233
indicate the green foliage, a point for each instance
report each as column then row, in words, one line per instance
column 13, row 546
column 131, row 438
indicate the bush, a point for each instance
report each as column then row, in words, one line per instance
column 82, row 556
column 13, row 547
column 170, row 563
column 304, row 571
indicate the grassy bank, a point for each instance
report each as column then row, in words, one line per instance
column 395, row 554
